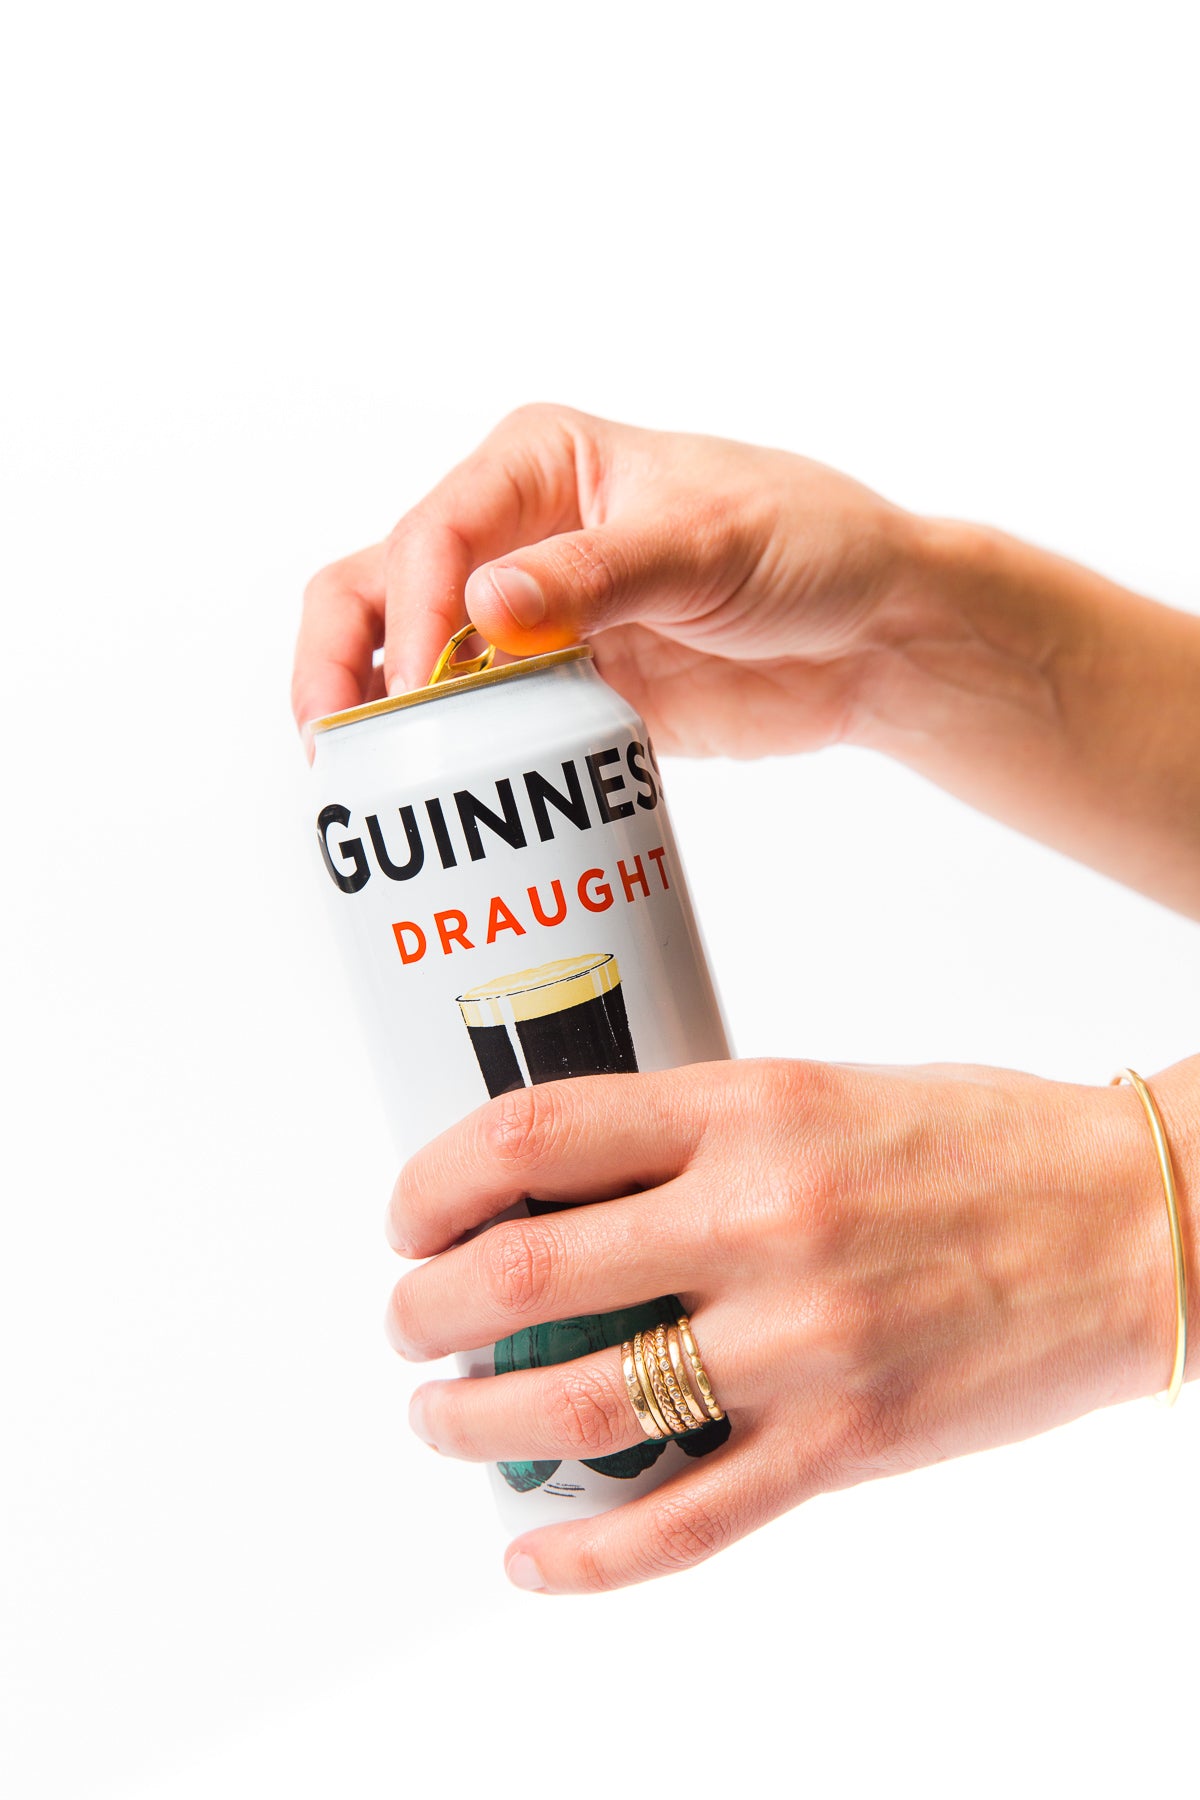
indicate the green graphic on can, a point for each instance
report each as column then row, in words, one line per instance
column 523, row 1477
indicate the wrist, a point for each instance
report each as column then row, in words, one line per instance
column 1129, row 1194
column 1176, row 1094
column 974, row 622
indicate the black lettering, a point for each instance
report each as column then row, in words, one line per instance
column 507, row 824
column 642, row 775
column 351, row 847
column 604, row 785
column 441, row 836
column 572, row 804
column 416, row 849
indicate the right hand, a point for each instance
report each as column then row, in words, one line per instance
column 733, row 595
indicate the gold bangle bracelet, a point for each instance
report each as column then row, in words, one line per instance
column 1167, row 1170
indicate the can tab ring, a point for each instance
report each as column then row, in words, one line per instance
column 446, row 669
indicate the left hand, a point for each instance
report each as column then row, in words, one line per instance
column 884, row 1268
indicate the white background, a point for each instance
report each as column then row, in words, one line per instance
column 268, row 270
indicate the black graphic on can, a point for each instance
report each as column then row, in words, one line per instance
column 564, row 1019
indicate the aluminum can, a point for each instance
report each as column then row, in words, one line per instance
column 509, row 899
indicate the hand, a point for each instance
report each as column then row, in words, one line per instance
column 730, row 593
column 748, row 601
column 884, row 1268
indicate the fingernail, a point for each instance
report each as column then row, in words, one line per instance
column 520, row 593
column 523, row 1572
column 416, row 1419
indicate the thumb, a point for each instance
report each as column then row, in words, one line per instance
column 565, row 588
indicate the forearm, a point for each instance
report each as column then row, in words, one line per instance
column 1047, row 696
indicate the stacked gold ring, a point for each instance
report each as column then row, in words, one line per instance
column 675, row 1352
column 667, row 1383
column 702, row 1381
column 675, row 1424
column 637, row 1398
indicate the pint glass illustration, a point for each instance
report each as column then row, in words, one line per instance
column 564, row 1019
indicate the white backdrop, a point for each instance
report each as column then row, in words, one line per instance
column 269, row 270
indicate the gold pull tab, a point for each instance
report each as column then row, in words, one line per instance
column 446, row 669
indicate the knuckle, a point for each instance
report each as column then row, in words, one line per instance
column 322, row 586
column 593, row 1575
column 428, row 523
column 815, row 1202
column 402, row 534
column 587, row 1419
column 530, row 412
column 536, row 415
column 517, row 1125
column 873, row 1423
column 588, row 569
column 826, row 1318
column 686, row 1531
column 863, row 1426
column 450, row 1430
column 714, row 510
column 737, row 1093
column 520, row 1268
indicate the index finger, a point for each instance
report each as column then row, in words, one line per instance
column 589, row 1138
column 519, row 486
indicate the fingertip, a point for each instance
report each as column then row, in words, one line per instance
column 318, row 691
column 508, row 606
column 404, row 670
column 517, row 593
column 398, row 1240
column 524, row 1573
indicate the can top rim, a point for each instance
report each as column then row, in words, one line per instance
column 454, row 684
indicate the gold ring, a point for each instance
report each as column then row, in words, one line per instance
column 667, row 1370
column 675, row 1352
column 698, row 1369
column 647, row 1390
column 666, row 1405
column 636, row 1397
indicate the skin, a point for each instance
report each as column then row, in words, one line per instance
column 884, row 1268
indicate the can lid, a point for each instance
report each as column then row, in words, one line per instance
column 449, row 676
column 533, row 993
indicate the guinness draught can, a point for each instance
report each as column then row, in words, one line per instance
column 508, row 894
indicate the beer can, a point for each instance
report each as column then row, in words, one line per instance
column 512, row 909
